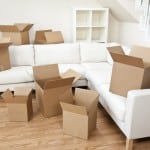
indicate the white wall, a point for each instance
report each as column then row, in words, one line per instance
column 45, row 14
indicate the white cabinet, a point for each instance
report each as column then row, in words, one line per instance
column 91, row 25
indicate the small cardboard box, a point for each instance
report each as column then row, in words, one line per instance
column 79, row 119
column 54, row 37
column 40, row 36
column 18, row 33
column 50, row 88
column 4, row 54
column 19, row 104
column 130, row 72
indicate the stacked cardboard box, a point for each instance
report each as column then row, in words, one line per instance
column 51, row 88
column 18, row 33
column 19, row 104
column 130, row 72
column 79, row 119
column 4, row 54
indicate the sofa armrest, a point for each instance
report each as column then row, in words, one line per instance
column 137, row 120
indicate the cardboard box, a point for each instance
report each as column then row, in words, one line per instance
column 79, row 119
column 4, row 54
column 18, row 33
column 130, row 72
column 54, row 37
column 50, row 88
column 40, row 36
column 19, row 104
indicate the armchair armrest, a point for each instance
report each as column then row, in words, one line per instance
column 137, row 119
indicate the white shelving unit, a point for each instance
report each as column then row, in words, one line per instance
column 91, row 25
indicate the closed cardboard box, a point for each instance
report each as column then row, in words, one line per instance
column 130, row 72
column 51, row 88
column 4, row 54
column 18, row 33
column 79, row 119
column 54, row 37
column 40, row 36
column 20, row 104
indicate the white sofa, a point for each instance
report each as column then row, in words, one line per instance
column 93, row 61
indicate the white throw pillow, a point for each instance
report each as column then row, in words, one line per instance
column 21, row 55
column 93, row 52
column 57, row 53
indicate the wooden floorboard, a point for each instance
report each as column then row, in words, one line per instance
column 46, row 134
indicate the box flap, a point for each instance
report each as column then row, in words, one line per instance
column 4, row 42
column 23, row 26
column 87, row 98
column 54, row 37
column 22, row 91
column 72, row 73
column 58, row 83
column 128, row 60
column 7, row 95
column 8, row 28
column 73, row 108
column 46, row 72
column 116, row 49
column 141, row 52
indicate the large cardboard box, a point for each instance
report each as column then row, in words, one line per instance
column 130, row 72
column 4, row 54
column 40, row 36
column 18, row 33
column 79, row 119
column 19, row 104
column 51, row 88
column 54, row 37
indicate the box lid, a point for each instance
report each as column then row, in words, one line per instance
column 22, row 91
column 7, row 95
column 72, row 73
column 116, row 49
column 18, row 27
column 128, row 60
column 87, row 98
column 58, row 83
column 74, row 108
column 46, row 72
column 142, row 52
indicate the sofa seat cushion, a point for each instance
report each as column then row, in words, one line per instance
column 77, row 67
column 20, row 74
column 115, row 104
column 97, row 66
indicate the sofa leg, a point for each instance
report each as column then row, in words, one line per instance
column 129, row 144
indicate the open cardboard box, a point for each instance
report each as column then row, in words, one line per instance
column 40, row 36
column 79, row 119
column 4, row 54
column 130, row 72
column 54, row 37
column 51, row 87
column 19, row 104
column 18, row 33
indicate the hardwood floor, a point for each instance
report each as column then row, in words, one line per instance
column 46, row 134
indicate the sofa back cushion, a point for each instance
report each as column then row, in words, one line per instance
column 93, row 52
column 21, row 55
column 57, row 53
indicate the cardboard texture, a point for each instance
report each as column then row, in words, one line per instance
column 51, row 88
column 40, row 36
column 19, row 104
column 4, row 54
column 54, row 37
column 79, row 119
column 130, row 72
column 18, row 33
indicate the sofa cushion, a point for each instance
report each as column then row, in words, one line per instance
column 93, row 52
column 57, row 53
column 21, row 74
column 21, row 55
column 115, row 104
